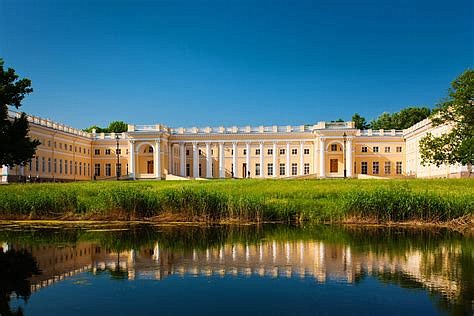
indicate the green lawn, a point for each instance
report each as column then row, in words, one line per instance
column 338, row 200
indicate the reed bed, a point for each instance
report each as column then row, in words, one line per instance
column 378, row 201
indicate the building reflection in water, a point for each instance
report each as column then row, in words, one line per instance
column 304, row 259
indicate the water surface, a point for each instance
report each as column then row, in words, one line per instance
column 234, row 270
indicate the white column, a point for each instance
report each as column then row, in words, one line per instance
column 170, row 158
column 234, row 159
column 322, row 163
column 247, row 159
column 274, row 159
column 157, row 159
column 221, row 160
column 4, row 175
column 315, row 146
column 208, row 160
column 301, row 167
column 131, row 159
column 195, row 160
column 262, row 167
column 182, row 160
column 349, row 158
column 288, row 158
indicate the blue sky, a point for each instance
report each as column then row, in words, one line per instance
column 200, row 63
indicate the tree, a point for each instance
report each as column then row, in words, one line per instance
column 400, row 120
column 114, row 127
column 117, row 127
column 16, row 147
column 360, row 122
column 456, row 111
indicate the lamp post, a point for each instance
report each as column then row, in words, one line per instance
column 117, row 151
column 344, row 136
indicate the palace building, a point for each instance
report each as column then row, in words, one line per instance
column 323, row 150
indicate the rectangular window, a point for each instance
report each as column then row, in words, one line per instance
column 96, row 151
column 257, row 151
column 388, row 167
column 65, row 166
column 108, row 170
column 188, row 170
column 387, row 149
column 376, row 149
column 55, row 166
column 282, row 151
column 75, row 167
column 306, row 168
column 270, row 169
column 270, row 151
column 282, row 169
column 80, row 168
column 187, row 152
column 37, row 164
column 70, row 147
column 364, row 149
column 49, row 165
column 399, row 149
column 245, row 152
column 200, row 152
column 306, row 151
column 294, row 151
column 399, row 167
column 363, row 167
column 294, row 169
column 60, row 166
column 118, row 151
column 257, row 169
column 43, row 165
column 200, row 171
column 70, row 166
column 97, row 170
column 107, row 151
column 333, row 147
column 375, row 167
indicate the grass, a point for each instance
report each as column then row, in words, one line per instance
column 375, row 201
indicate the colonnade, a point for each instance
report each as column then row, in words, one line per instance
column 249, row 147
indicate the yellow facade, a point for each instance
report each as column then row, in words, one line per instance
column 322, row 150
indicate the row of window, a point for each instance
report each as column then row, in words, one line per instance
column 59, row 166
column 67, row 147
column 375, row 149
column 294, row 169
column 376, row 167
column 294, row 151
column 108, row 169
column 109, row 151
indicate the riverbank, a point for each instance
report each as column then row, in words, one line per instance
column 438, row 202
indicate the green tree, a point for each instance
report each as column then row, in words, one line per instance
column 400, row 120
column 114, row 127
column 117, row 127
column 360, row 122
column 457, row 111
column 16, row 147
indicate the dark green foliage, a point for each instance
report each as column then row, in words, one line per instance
column 359, row 121
column 16, row 147
column 114, row 127
column 400, row 120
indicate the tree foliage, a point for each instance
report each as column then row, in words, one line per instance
column 400, row 120
column 360, row 122
column 16, row 147
column 114, row 127
column 456, row 111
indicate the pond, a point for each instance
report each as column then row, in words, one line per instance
column 234, row 270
